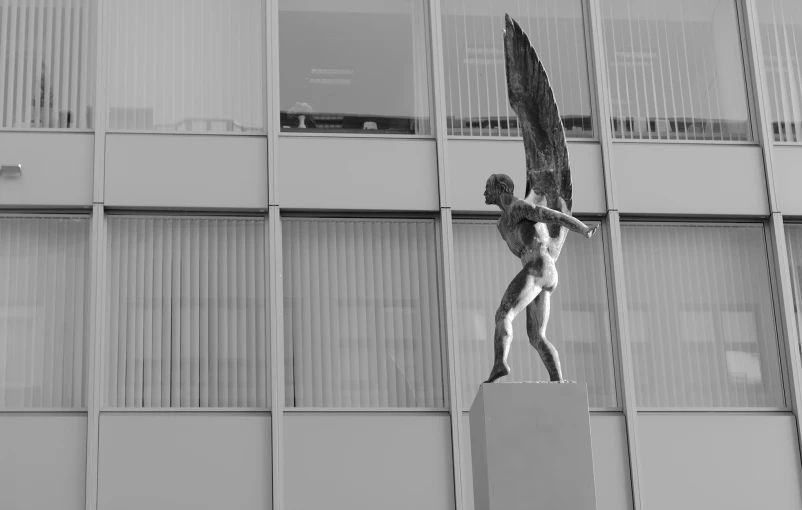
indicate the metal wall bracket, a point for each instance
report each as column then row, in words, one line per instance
column 10, row 171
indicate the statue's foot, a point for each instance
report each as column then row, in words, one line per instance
column 499, row 371
column 590, row 233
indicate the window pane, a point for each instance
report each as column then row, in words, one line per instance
column 473, row 53
column 187, row 313
column 780, row 23
column 579, row 325
column 47, row 55
column 793, row 238
column 701, row 318
column 185, row 65
column 675, row 70
column 354, row 66
column 44, row 312
column 361, row 323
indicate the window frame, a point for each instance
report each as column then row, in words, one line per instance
column 432, row 89
column 88, row 340
column 750, row 87
column 102, row 381
column 615, row 338
column 594, row 91
column 772, row 276
column 358, row 215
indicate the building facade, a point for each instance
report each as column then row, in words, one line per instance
column 245, row 260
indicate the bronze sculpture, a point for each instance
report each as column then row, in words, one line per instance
column 536, row 226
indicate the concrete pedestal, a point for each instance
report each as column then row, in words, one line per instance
column 531, row 449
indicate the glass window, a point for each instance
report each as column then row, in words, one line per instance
column 185, row 65
column 675, row 70
column 473, row 54
column 354, row 66
column 361, row 322
column 47, row 56
column 701, row 317
column 579, row 325
column 793, row 240
column 44, row 311
column 187, row 306
column 780, row 23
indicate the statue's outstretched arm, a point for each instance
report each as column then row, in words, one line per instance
column 540, row 214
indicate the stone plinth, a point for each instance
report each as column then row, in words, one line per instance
column 531, row 449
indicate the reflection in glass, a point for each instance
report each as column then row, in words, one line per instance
column 675, row 70
column 780, row 23
column 47, row 61
column 361, row 320
column 356, row 66
column 44, row 312
column 793, row 240
column 187, row 324
column 473, row 54
column 185, row 65
column 700, row 316
column 579, row 326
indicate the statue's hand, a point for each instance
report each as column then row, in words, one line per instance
column 591, row 231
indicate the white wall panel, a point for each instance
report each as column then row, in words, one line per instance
column 56, row 169
column 186, row 171
column 610, row 462
column 361, row 461
column 788, row 178
column 470, row 163
column 738, row 462
column 653, row 178
column 167, row 461
column 357, row 173
column 42, row 461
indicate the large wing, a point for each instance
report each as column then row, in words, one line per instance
column 548, row 173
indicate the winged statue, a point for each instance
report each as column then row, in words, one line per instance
column 536, row 226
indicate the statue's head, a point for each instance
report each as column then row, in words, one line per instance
column 497, row 185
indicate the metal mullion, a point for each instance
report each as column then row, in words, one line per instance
column 95, row 369
column 101, row 59
column 185, row 410
column 593, row 98
column 273, row 247
column 439, row 99
column 273, row 101
column 785, row 318
column 447, row 332
column 275, row 304
column 602, row 105
column 619, row 323
column 97, row 268
column 618, row 371
column 756, row 83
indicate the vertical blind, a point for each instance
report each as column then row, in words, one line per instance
column 185, row 65
column 579, row 325
column 473, row 47
column 44, row 312
column 187, row 313
column 780, row 23
column 701, row 317
column 793, row 240
column 47, row 55
column 361, row 322
column 675, row 70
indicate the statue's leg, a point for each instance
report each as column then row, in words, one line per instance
column 537, row 316
column 520, row 292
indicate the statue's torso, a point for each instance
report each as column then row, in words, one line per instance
column 526, row 239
